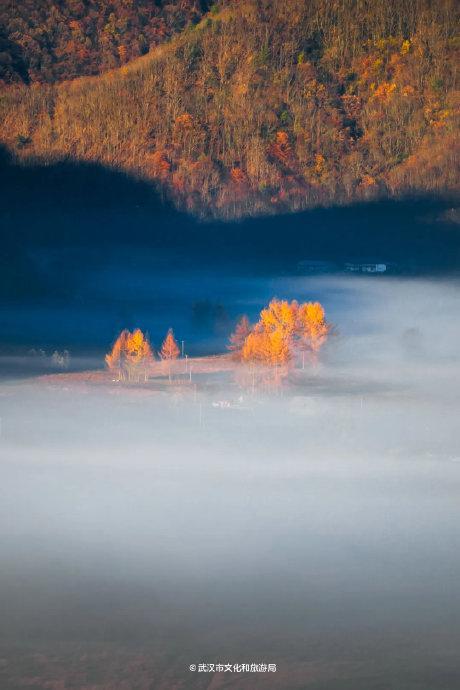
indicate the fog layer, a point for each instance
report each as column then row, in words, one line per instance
column 319, row 522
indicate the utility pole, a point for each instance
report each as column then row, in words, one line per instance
column 183, row 349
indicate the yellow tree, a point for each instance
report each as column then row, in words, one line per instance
column 282, row 328
column 131, row 356
column 264, row 351
column 256, row 353
column 279, row 349
column 271, row 339
column 169, row 350
column 256, row 347
column 139, row 355
column 270, row 342
column 280, row 316
column 312, row 327
column 278, row 321
column 115, row 359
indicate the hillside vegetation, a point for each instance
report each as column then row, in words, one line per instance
column 265, row 107
column 51, row 40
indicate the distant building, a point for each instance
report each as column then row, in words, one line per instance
column 358, row 267
column 316, row 267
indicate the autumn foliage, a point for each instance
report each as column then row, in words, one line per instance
column 312, row 327
column 51, row 40
column 131, row 356
column 169, row 350
column 284, row 331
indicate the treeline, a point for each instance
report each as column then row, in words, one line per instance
column 51, row 40
column 264, row 107
column 132, row 355
column 287, row 335
column 285, row 330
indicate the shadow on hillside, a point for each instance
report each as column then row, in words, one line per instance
column 88, row 205
column 74, row 190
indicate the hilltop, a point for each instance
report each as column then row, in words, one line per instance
column 265, row 107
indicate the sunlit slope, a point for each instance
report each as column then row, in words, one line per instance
column 266, row 110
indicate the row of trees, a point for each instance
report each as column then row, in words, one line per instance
column 132, row 356
column 285, row 334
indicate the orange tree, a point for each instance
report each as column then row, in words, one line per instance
column 169, row 350
column 283, row 329
column 312, row 328
column 131, row 356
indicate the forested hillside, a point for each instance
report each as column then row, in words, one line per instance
column 49, row 40
column 264, row 107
